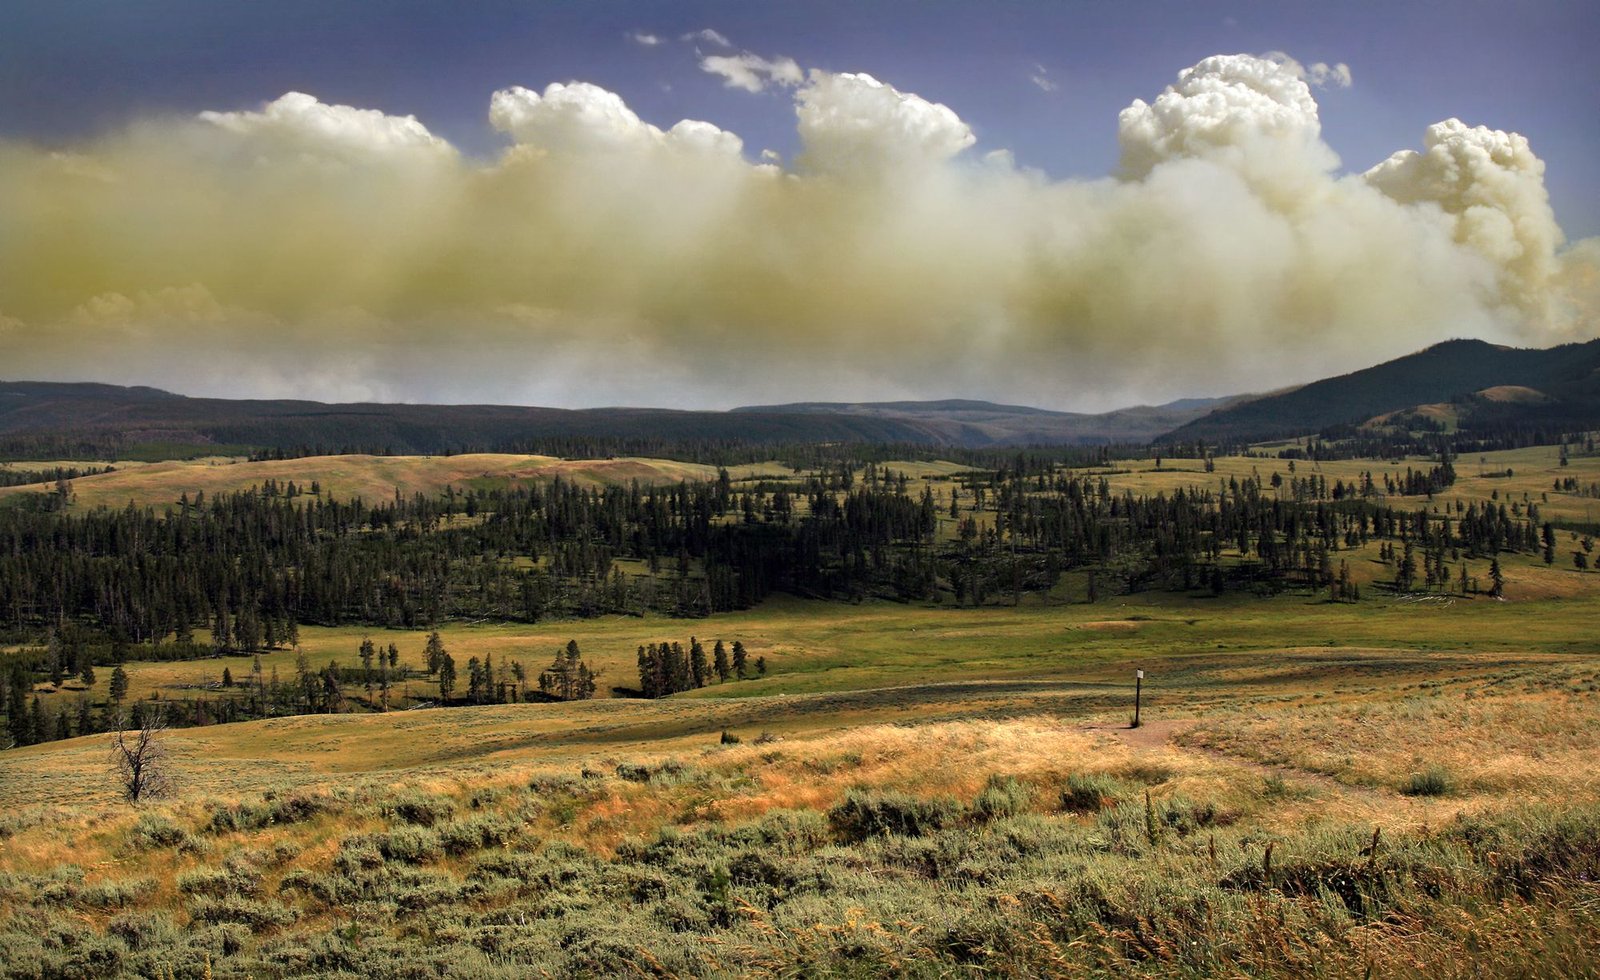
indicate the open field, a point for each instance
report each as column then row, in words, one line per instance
column 813, row 646
column 1233, row 831
column 1401, row 786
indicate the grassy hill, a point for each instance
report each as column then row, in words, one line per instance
column 1286, row 808
column 1455, row 371
column 372, row 478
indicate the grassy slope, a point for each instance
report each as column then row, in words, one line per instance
column 910, row 661
column 621, row 838
column 1299, row 721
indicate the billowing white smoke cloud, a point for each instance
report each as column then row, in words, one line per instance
column 1253, row 115
column 298, row 123
column 1491, row 186
column 855, row 122
column 336, row 252
column 581, row 118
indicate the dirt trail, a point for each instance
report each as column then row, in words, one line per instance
column 1155, row 735
column 1150, row 735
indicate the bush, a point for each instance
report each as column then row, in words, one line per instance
column 218, row 882
column 357, row 853
column 143, row 930
column 470, row 835
column 1433, row 781
column 1004, row 796
column 151, row 832
column 116, row 894
column 297, row 808
column 410, row 845
column 790, row 832
column 1088, row 794
column 869, row 814
column 635, row 773
column 239, row 816
column 550, row 785
column 319, row 886
column 255, row 915
column 423, row 811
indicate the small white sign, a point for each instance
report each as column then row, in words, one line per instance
column 1139, row 674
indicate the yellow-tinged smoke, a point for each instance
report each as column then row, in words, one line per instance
column 334, row 252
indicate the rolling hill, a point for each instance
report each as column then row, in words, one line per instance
column 1482, row 385
column 43, row 420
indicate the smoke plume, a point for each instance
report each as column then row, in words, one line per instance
column 335, row 252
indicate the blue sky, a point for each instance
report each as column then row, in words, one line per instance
column 72, row 68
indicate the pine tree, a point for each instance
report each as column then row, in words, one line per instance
column 1497, row 579
column 568, row 678
column 17, row 686
column 720, row 661
column 739, row 656
column 698, row 667
column 221, row 632
column 647, row 673
column 119, row 684
column 87, row 674
column 1406, row 575
column 38, row 724
column 447, row 675
column 434, row 653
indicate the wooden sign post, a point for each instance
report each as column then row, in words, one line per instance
column 1138, row 691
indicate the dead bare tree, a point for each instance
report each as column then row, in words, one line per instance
column 139, row 757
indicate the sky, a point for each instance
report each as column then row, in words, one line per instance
column 1025, row 202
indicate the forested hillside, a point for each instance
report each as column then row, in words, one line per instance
column 1569, row 377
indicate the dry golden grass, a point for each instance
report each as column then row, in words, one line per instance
column 372, row 478
column 1492, row 742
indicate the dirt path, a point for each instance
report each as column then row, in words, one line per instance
column 1151, row 735
column 1162, row 734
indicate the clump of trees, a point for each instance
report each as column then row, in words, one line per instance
column 666, row 668
column 568, row 678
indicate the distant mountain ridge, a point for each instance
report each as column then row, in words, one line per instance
column 1567, row 379
column 66, row 416
column 1468, row 383
column 968, row 422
